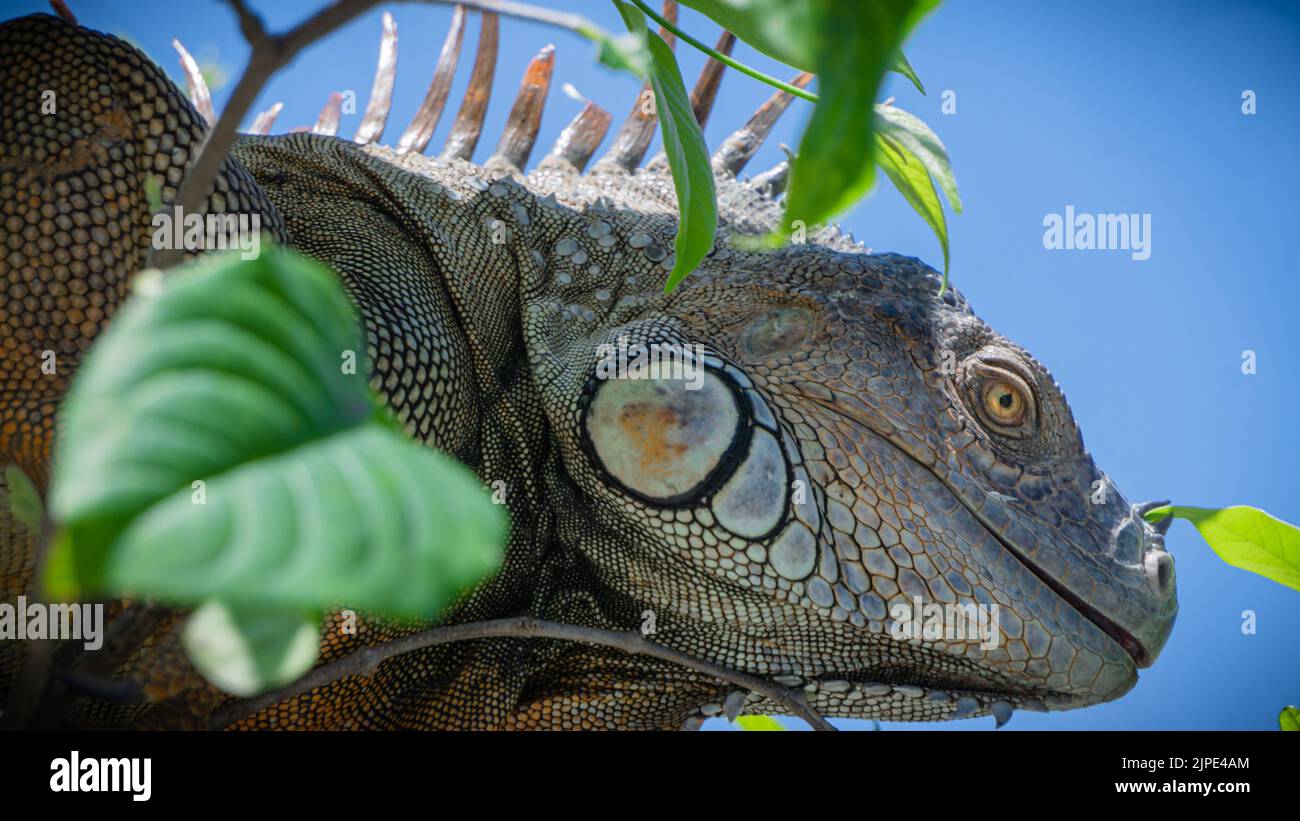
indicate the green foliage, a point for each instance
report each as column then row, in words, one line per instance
column 909, row 176
column 626, row 53
column 1245, row 537
column 688, row 156
column 788, row 31
column 763, row 723
column 24, row 501
column 1289, row 719
column 914, row 158
column 368, row 518
column 903, row 67
column 220, row 444
column 857, row 43
column 850, row 45
column 153, row 192
column 909, row 132
column 245, row 651
column 214, row 74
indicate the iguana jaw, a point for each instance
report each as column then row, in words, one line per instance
column 1141, row 655
column 1117, row 634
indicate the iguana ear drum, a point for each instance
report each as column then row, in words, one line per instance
column 666, row 441
column 709, row 442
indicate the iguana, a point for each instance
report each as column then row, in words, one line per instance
column 858, row 440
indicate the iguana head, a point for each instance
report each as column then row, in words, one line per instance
column 855, row 444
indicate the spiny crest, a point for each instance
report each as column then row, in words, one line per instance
column 749, row 207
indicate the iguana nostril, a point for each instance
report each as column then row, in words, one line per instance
column 1159, row 568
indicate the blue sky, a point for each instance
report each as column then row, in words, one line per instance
column 1109, row 107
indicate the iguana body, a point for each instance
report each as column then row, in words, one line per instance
column 830, row 468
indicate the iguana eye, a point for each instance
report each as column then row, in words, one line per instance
column 1004, row 403
column 1001, row 396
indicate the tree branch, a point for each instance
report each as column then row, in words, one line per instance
column 366, row 661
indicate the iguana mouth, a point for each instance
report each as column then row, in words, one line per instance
column 1117, row 634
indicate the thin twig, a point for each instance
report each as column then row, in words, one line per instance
column 365, row 662
column 271, row 52
column 724, row 58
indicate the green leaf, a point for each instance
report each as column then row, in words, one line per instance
column 1289, row 719
column 1245, row 537
column 688, row 156
column 214, row 74
column 788, row 31
column 215, row 447
column 911, row 179
column 365, row 518
column 903, row 67
column 245, row 652
column 223, row 364
column 153, row 192
column 911, row 133
column 857, row 43
column 766, row 723
column 23, row 500
column 622, row 53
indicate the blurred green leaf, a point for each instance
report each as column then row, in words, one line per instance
column 786, row 30
column 857, row 43
column 688, row 156
column 622, row 53
column 903, row 67
column 214, row 74
column 366, row 518
column 23, row 500
column 214, row 446
column 247, row 651
column 222, row 364
column 763, row 723
column 153, row 192
column 1289, row 719
column 1245, row 537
